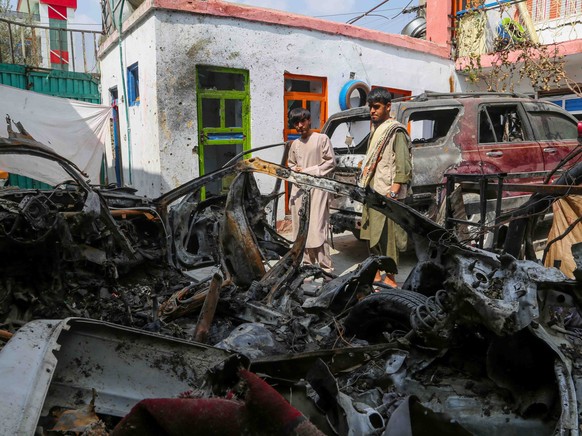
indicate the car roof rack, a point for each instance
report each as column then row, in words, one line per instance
column 425, row 96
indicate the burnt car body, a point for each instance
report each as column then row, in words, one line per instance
column 473, row 341
column 469, row 133
column 73, row 235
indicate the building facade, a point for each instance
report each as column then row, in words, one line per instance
column 206, row 80
column 555, row 24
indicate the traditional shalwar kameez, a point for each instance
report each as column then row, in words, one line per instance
column 315, row 156
column 387, row 161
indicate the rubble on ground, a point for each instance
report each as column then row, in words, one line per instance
column 474, row 342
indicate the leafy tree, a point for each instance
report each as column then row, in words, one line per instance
column 517, row 58
column 18, row 41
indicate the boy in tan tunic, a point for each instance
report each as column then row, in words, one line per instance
column 387, row 169
column 312, row 153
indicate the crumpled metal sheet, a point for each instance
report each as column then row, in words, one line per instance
column 239, row 246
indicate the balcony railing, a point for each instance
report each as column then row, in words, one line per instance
column 503, row 23
column 30, row 45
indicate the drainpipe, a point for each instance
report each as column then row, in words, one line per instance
column 125, row 104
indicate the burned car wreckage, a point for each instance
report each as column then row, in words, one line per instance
column 475, row 341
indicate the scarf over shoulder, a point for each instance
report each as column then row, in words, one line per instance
column 376, row 149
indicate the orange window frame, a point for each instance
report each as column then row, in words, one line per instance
column 396, row 93
column 304, row 97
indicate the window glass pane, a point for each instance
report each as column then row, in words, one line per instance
column 133, row 84
column 486, row 133
column 292, row 104
column 304, row 85
column 553, row 126
column 113, row 94
column 315, row 108
column 431, row 127
column 353, row 135
column 292, row 85
column 233, row 113
column 221, row 81
column 210, row 112
column 215, row 156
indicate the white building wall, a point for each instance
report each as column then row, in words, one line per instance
column 184, row 41
column 144, row 150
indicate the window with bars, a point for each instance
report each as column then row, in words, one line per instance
column 543, row 10
column 540, row 10
column 571, row 7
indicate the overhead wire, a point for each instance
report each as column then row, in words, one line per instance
column 403, row 9
column 359, row 17
column 354, row 13
column 379, row 23
column 379, row 17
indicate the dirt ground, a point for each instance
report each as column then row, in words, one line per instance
column 347, row 252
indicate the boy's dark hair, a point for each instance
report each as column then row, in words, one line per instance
column 298, row 114
column 379, row 95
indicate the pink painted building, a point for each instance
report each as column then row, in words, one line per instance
column 555, row 24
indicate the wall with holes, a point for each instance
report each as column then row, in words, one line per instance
column 142, row 139
column 172, row 44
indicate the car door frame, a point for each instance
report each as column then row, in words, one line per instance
column 510, row 156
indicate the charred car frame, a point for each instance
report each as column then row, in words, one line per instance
column 473, row 341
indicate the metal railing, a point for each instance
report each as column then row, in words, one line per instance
column 30, row 44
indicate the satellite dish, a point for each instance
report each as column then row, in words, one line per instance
column 416, row 28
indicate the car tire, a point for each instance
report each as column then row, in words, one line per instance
column 383, row 311
column 348, row 90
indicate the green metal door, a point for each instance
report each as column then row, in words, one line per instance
column 223, row 119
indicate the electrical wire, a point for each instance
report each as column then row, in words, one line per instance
column 381, row 25
column 353, row 20
column 403, row 9
column 354, row 13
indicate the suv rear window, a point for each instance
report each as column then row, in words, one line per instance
column 428, row 127
column 552, row 126
column 352, row 135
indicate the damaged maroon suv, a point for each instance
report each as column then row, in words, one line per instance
column 481, row 134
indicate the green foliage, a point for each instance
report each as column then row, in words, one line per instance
column 516, row 58
column 541, row 65
column 18, row 42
